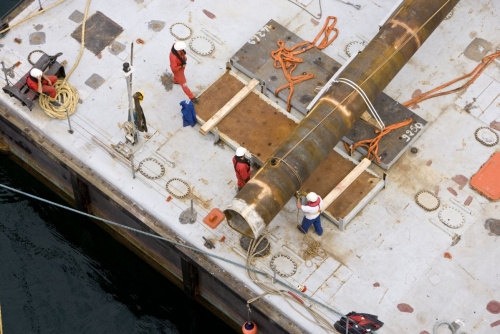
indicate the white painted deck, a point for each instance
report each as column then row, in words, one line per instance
column 391, row 242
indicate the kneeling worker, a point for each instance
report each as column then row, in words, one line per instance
column 312, row 212
column 42, row 83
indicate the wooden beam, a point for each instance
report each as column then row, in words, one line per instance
column 346, row 182
column 215, row 119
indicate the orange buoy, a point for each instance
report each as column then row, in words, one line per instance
column 249, row 327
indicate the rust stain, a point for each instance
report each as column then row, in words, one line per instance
column 222, row 238
column 313, row 21
column 376, row 284
column 416, row 93
column 493, row 307
column 429, row 163
column 204, row 181
column 140, row 41
column 468, row 201
column 436, row 190
column 209, row 14
column 494, row 324
column 405, row 308
column 461, row 180
column 167, row 80
column 169, row 198
column 448, row 255
column 18, row 40
column 495, row 125
column 452, row 191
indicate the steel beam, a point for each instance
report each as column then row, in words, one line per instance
column 256, row 205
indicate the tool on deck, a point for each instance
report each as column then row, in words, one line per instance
column 358, row 7
column 208, row 243
column 8, row 72
column 300, row 193
column 212, row 36
column 455, row 238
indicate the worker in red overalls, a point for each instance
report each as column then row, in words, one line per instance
column 241, row 167
column 41, row 83
column 178, row 60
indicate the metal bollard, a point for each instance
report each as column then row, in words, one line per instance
column 69, row 122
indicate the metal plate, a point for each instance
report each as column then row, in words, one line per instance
column 188, row 216
column 486, row 136
column 100, row 31
column 283, row 265
column 178, row 188
column 396, row 142
column 451, row 217
column 180, row 31
column 151, row 168
column 254, row 60
column 354, row 48
column 202, row 46
column 427, row 200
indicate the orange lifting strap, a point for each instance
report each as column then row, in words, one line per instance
column 475, row 74
column 286, row 58
column 372, row 144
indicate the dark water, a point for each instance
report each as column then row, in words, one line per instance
column 61, row 273
column 7, row 5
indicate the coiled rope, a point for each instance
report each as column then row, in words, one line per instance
column 67, row 95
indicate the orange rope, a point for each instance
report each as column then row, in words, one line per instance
column 286, row 58
column 372, row 144
column 474, row 74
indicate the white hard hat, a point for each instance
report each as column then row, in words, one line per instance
column 240, row 151
column 36, row 73
column 179, row 46
column 312, row 197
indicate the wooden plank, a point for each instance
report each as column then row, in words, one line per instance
column 346, row 182
column 215, row 119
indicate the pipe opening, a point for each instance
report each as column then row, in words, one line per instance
column 238, row 223
column 274, row 162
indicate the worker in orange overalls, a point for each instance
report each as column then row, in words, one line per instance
column 178, row 60
column 241, row 167
column 41, row 83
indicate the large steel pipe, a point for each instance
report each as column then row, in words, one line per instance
column 256, row 205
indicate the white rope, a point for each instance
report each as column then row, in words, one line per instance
column 370, row 106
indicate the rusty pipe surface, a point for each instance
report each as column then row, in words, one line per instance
column 263, row 197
